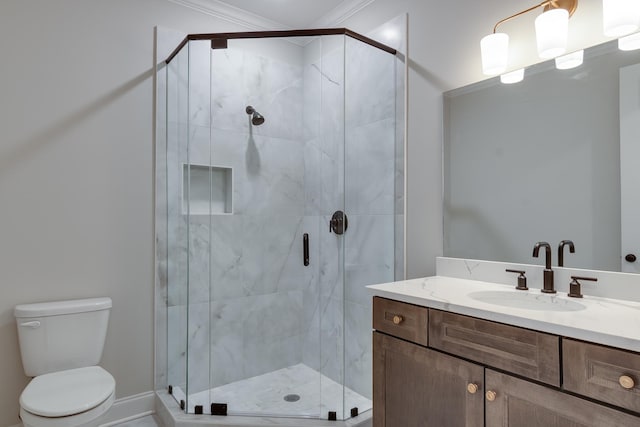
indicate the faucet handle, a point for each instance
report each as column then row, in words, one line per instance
column 522, row 279
column 574, row 286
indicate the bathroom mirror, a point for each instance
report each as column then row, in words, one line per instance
column 540, row 161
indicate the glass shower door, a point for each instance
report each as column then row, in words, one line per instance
column 265, row 321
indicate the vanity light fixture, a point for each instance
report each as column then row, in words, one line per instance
column 620, row 17
column 512, row 77
column 631, row 42
column 551, row 34
column 571, row 60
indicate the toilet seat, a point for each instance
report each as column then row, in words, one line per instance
column 72, row 397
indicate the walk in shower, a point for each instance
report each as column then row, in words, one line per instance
column 280, row 194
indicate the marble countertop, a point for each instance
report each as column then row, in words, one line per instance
column 600, row 320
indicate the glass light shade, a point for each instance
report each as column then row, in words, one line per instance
column 571, row 60
column 620, row 17
column 495, row 53
column 512, row 77
column 552, row 29
column 631, row 42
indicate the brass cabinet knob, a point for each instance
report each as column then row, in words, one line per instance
column 397, row 319
column 491, row 396
column 626, row 382
column 472, row 388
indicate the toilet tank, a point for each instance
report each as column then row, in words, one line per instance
column 60, row 335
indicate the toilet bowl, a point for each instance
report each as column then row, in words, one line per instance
column 68, row 398
column 61, row 344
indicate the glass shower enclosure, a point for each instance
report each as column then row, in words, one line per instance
column 282, row 198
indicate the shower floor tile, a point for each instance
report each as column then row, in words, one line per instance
column 265, row 395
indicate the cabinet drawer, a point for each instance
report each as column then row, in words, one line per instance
column 524, row 352
column 400, row 319
column 597, row 371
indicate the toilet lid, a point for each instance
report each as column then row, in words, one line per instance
column 65, row 393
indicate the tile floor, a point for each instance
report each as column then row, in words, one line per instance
column 265, row 395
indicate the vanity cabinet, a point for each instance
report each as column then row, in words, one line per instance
column 464, row 371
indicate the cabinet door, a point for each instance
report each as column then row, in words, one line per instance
column 520, row 403
column 417, row 387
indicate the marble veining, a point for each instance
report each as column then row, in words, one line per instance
column 610, row 284
column 602, row 320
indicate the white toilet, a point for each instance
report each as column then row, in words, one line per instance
column 61, row 343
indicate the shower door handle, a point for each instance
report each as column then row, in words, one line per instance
column 305, row 249
column 338, row 223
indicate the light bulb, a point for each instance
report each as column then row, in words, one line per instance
column 512, row 77
column 552, row 29
column 620, row 17
column 571, row 60
column 631, row 42
column 495, row 53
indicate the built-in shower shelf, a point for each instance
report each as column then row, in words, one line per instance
column 207, row 190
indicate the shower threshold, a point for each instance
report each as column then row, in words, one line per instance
column 286, row 397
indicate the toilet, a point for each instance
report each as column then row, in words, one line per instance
column 61, row 344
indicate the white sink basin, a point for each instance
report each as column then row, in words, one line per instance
column 527, row 300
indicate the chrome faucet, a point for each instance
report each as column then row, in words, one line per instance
column 547, row 287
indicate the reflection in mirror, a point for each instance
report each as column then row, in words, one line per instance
column 540, row 161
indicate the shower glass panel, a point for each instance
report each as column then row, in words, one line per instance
column 370, row 200
column 177, row 259
column 269, row 141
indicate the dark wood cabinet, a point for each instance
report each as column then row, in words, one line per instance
column 474, row 373
column 414, row 386
column 524, row 352
column 602, row 373
column 520, row 403
column 401, row 320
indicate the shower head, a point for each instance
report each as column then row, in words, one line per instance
column 256, row 118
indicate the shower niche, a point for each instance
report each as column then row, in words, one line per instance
column 207, row 190
column 259, row 143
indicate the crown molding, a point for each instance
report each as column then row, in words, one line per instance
column 244, row 18
column 341, row 13
column 232, row 14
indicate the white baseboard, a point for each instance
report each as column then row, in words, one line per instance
column 128, row 408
